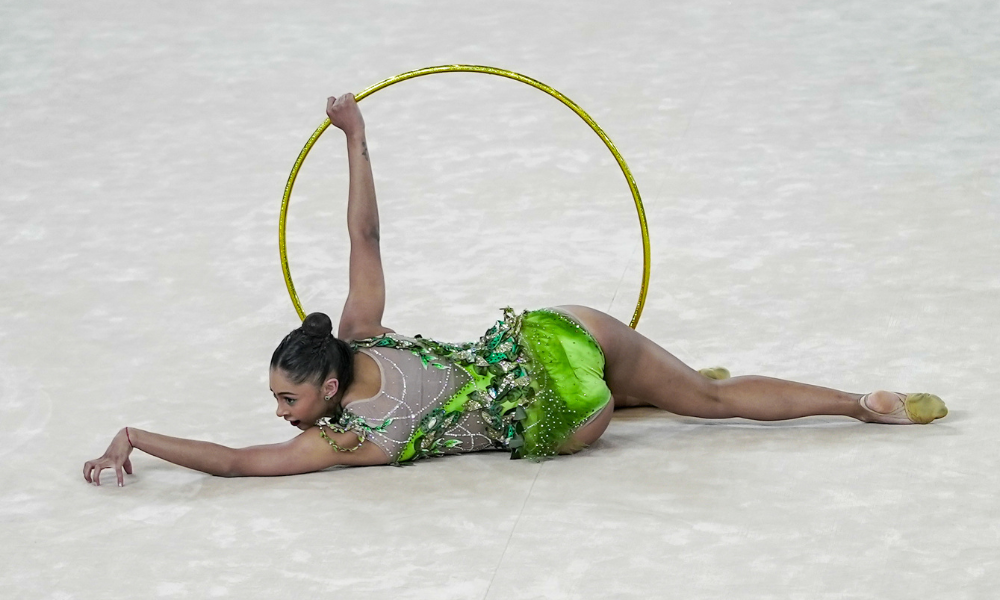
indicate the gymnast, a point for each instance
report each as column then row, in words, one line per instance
column 537, row 384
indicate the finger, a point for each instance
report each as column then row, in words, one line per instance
column 96, row 475
column 128, row 466
column 90, row 471
column 121, row 476
column 86, row 471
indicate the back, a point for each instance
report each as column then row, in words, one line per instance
column 414, row 393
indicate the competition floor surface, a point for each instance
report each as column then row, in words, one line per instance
column 821, row 183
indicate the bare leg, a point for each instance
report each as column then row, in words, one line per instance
column 637, row 369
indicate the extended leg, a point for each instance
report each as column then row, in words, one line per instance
column 638, row 368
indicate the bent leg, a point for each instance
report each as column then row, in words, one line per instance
column 636, row 367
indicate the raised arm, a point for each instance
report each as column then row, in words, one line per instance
column 362, row 314
column 304, row 453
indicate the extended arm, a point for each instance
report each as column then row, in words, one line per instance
column 365, row 304
column 305, row 453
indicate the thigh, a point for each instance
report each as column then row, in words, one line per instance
column 639, row 371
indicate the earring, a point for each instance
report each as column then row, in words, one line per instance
column 327, row 398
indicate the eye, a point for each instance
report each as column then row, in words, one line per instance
column 290, row 401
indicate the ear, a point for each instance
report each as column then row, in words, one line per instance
column 330, row 387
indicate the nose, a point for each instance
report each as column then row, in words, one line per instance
column 281, row 412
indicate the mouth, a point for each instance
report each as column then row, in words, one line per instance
column 295, row 423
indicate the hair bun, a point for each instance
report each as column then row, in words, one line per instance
column 317, row 325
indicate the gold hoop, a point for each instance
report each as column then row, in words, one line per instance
column 469, row 69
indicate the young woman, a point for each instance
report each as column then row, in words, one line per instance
column 536, row 384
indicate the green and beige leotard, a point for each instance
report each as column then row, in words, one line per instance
column 525, row 386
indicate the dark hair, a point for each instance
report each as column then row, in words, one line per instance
column 311, row 353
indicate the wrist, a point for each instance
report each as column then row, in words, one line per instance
column 356, row 135
column 133, row 436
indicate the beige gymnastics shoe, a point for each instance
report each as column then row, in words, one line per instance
column 912, row 408
column 715, row 373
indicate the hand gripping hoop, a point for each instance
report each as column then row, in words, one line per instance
column 488, row 71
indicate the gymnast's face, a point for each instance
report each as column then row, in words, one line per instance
column 300, row 404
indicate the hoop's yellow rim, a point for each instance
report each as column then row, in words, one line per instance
column 469, row 69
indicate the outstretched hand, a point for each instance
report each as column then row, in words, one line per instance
column 116, row 457
column 344, row 114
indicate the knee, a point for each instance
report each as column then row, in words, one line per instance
column 713, row 391
column 713, row 399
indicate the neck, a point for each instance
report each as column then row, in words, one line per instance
column 333, row 406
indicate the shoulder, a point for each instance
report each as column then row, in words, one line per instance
column 307, row 452
column 342, row 448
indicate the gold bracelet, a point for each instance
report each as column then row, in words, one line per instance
column 338, row 447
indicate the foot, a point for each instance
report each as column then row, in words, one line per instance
column 715, row 373
column 902, row 409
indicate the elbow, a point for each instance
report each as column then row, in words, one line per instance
column 231, row 466
column 367, row 234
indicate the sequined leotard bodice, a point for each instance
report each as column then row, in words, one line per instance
column 409, row 392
